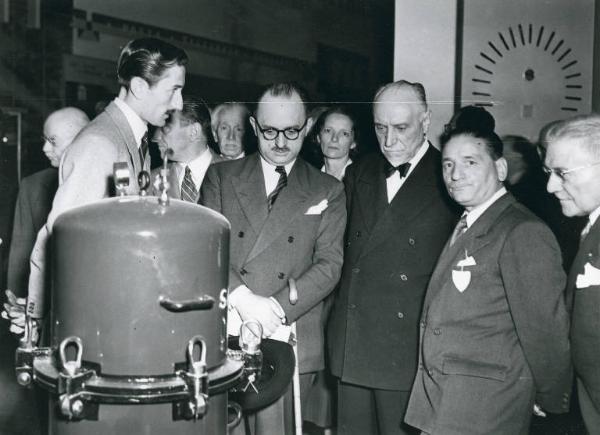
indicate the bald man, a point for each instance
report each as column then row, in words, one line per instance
column 37, row 192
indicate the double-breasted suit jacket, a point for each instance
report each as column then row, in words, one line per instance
column 583, row 291
column 300, row 238
column 86, row 175
column 390, row 254
column 495, row 340
column 175, row 169
column 34, row 202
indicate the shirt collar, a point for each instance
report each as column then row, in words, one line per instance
column 594, row 215
column 138, row 126
column 417, row 157
column 269, row 168
column 198, row 166
column 348, row 163
column 474, row 214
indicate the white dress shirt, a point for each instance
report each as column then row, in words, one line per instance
column 198, row 166
column 271, row 175
column 475, row 212
column 136, row 123
column 394, row 182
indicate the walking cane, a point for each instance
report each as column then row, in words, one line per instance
column 296, row 379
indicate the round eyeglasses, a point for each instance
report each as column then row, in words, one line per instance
column 271, row 133
column 562, row 173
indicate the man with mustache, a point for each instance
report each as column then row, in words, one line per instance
column 287, row 223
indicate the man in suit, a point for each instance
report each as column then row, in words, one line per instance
column 229, row 121
column 36, row 193
column 187, row 137
column 573, row 162
column 151, row 74
column 494, row 327
column 287, row 222
column 399, row 218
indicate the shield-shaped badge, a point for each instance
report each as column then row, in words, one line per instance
column 461, row 279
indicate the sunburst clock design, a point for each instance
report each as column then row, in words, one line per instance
column 527, row 54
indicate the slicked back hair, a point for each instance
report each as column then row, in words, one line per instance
column 416, row 87
column 195, row 110
column 586, row 127
column 285, row 89
column 492, row 142
column 147, row 58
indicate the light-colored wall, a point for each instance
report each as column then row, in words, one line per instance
column 425, row 51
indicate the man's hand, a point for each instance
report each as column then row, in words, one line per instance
column 250, row 306
column 14, row 311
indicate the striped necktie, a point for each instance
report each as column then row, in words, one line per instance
column 281, row 183
column 189, row 192
column 461, row 228
column 143, row 149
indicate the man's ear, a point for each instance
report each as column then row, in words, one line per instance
column 426, row 120
column 195, row 130
column 138, row 87
column 253, row 124
column 501, row 168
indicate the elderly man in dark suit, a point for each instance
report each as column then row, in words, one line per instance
column 36, row 193
column 151, row 73
column 287, row 222
column 494, row 328
column 573, row 163
column 399, row 219
column 187, row 136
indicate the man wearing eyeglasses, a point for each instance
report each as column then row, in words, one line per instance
column 287, row 223
column 573, row 164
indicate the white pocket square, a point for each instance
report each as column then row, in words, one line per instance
column 317, row 209
column 589, row 277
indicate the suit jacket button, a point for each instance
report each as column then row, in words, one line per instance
column 291, row 239
column 437, row 331
column 352, row 306
column 411, row 242
column 423, row 323
column 430, row 372
column 357, row 234
column 356, row 270
column 243, row 271
column 400, row 315
column 280, row 275
column 241, row 234
column 404, row 277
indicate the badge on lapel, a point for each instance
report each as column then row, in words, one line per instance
column 462, row 278
column 589, row 277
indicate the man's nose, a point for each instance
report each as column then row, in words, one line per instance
column 47, row 146
column 230, row 134
column 456, row 172
column 554, row 184
column 390, row 138
column 280, row 140
column 177, row 101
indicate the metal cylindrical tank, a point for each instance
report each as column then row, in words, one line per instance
column 129, row 279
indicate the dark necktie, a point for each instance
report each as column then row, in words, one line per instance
column 461, row 228
column 281, row 183
column 188, row 188
column 402, row 169
column 143, row 148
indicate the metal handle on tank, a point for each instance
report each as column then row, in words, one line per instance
column 201, row 303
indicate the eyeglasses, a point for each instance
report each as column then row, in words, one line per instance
column 562, row 173
column 271, row 133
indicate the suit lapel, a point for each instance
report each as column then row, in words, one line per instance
column 414, row 193
column 467, row 245
column 372, row 196
column 174, row 188
column 126, row 133
column 290, row 203
column 249, row 187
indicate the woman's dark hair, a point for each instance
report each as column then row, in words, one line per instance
column 311, row 150
column 147, row 58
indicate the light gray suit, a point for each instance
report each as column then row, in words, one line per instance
column 86, row 176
